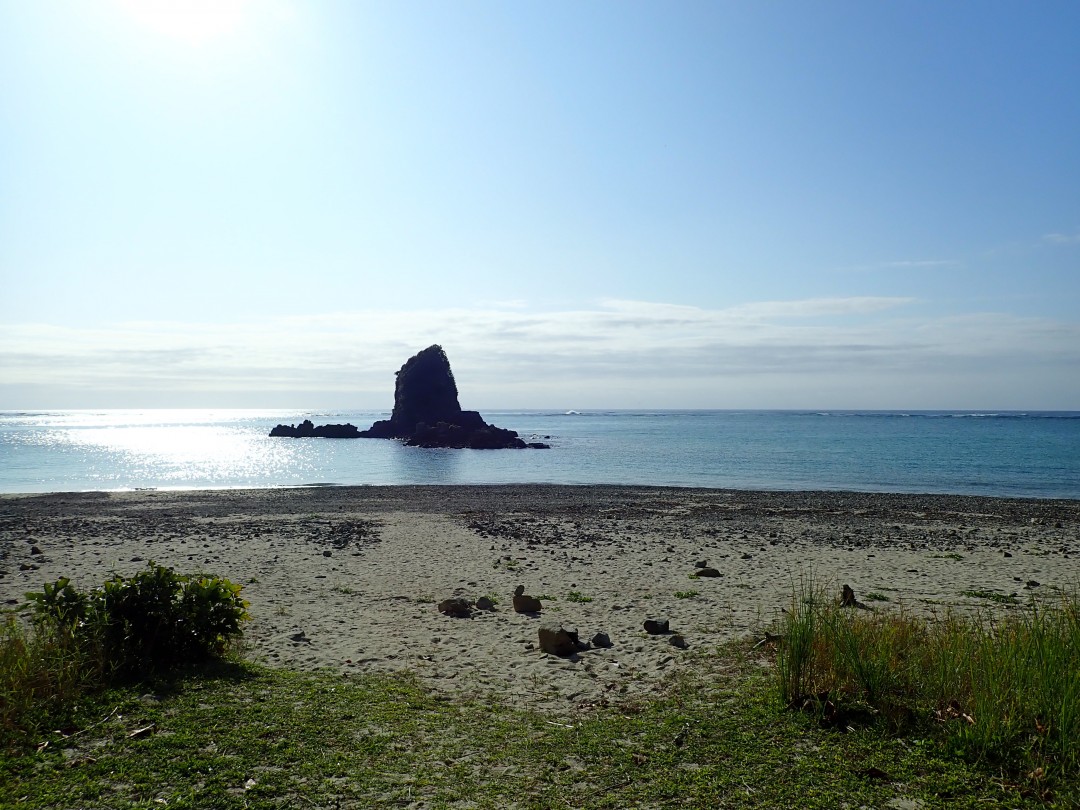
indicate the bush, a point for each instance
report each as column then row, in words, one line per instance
column 150, row 623
column 154, row 620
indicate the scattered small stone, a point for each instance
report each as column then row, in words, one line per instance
column 300, row 638
column 554, row 639
column 526, row 604
column 701, row 563
column 656, row 627
column 1031, row 583
column 456, row 607
column 601, row 639
column 328, row 553
column 748, row 556
column 483, row 603
column 707, row 572
column 34, row 551
column 678, row 641
column 1006, row 554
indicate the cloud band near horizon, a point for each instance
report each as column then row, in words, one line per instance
column 858, row 352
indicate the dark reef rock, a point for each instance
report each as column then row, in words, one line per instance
column 427, row 413
column 306, row 430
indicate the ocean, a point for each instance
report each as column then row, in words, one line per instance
column 1013, row 454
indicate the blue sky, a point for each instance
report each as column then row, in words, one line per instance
column 608, row 204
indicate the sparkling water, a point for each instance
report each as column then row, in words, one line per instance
column 1008, row 454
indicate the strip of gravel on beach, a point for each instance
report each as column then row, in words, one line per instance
column 349, row 578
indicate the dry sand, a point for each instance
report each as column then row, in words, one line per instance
column 349, row 577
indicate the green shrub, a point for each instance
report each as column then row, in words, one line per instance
column 152, row 622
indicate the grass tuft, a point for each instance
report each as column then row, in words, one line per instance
column 1001, row 690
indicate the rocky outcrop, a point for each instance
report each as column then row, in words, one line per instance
column 307, row 430
column 427, row 412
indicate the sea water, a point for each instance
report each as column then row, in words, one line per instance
column 1005, row 454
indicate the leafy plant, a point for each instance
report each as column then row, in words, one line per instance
column 79, row 642
column 574, row 596
column 686, row 594
column 59, row 602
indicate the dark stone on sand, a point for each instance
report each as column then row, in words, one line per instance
column 847, row 597
column 456, row 607
column 557, row 640
column 483, row 603
column 34, row 551
column 601, row 639
column 707, row 572
column 427, row 412
column 526, row 604
column 678, row 641
column 656, row 627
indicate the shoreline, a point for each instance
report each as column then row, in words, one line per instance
column 332, row 485
column 349, row 577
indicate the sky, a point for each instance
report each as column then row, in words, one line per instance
column 274, row 203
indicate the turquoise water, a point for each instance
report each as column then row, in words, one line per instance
column 1006, row 454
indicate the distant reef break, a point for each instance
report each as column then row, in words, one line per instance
column 426, row 413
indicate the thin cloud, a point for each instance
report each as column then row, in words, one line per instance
column 905, row 264
column 1062, row 238
column 501, row 356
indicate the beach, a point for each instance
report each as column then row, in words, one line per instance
column 350, row 578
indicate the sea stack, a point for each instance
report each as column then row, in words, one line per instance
column 427, row 413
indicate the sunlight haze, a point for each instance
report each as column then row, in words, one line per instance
column 603, row 205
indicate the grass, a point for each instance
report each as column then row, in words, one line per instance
column 686, row 594
column 248, row 737
column 957, row 712
column 1001, row 692
column 574, row 596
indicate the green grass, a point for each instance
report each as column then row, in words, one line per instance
column 574, row 596
column 876, row 597
column 1000, row 691
column 686, row 594
column 249, row 737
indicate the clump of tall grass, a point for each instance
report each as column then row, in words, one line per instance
column 1004, row 689
column 77, row 642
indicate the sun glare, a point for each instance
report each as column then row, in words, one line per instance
column 194, row 22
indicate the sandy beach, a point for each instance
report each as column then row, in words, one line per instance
column 350, row 577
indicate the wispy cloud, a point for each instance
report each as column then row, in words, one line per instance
column 616, row 349
column 906, row 264
column 1062, row 238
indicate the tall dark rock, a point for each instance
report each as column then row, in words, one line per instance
column 427, row 413
column 425, row 392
